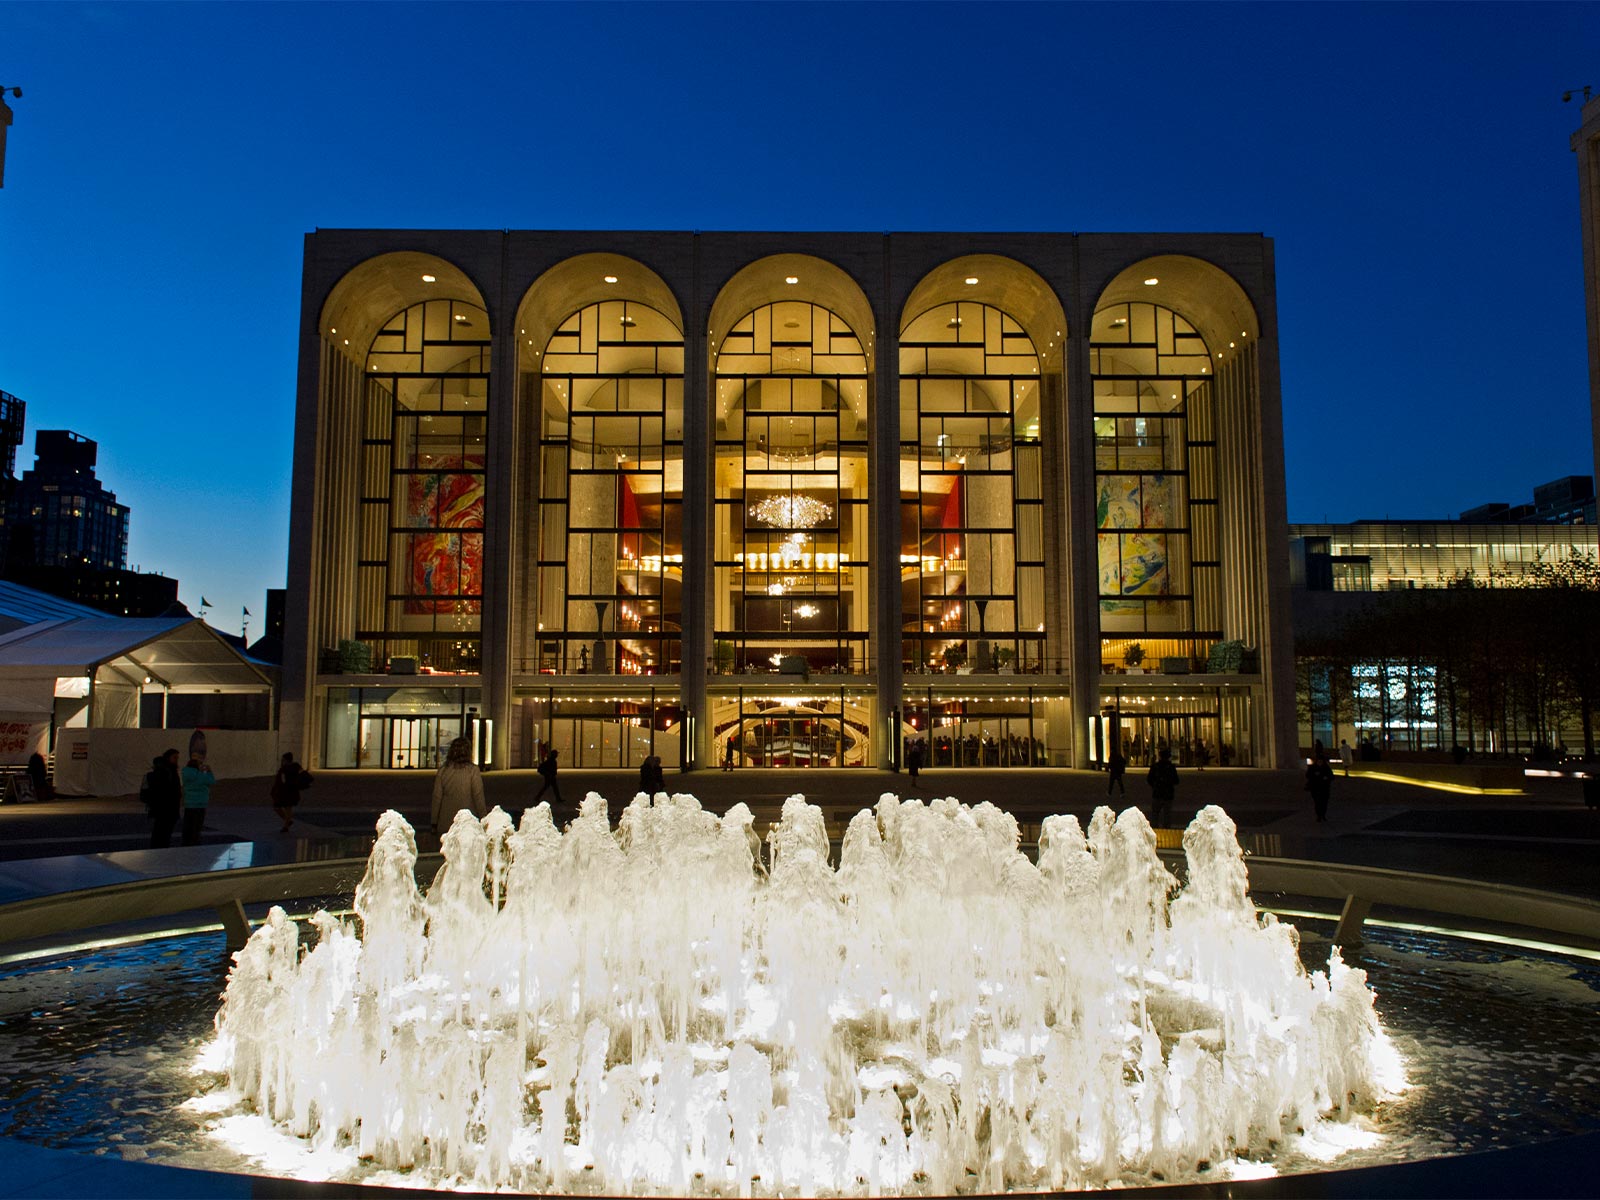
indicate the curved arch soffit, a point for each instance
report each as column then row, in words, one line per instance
column 818, row 282
column 1014, row 288
column 1200, row 292
column 733, row 391
column 574, row 284
column 370, row 294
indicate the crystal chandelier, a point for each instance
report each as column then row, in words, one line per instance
column 791, row 511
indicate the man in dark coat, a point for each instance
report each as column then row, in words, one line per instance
column 1163, row 780
column 1319, row 780
column 548, row 768
column 162, row 794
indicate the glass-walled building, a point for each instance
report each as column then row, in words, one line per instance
column 787, row 500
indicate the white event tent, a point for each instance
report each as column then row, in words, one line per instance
column 88, row 675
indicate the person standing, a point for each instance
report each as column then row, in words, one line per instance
column 914, row 760
column 548, row 768
column 727, row 754
column 1163, row 780
column 198, row 781
column 287, row 784
column 1347, row 755
column 457, row 786
column 1118, row 767
column 39, row 775
column 162, row 794
column 1319, row 780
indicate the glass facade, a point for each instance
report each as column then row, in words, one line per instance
column 768, row 726
column 685, row 480
column 602, row 732
column 400, row 728
column 791, row 536
column 1155, row 487
column 1394, row 555
column 423, row 450
column 971, row 499
column 609, row 571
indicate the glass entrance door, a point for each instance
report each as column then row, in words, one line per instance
column 407, row 743
column 1187, row 736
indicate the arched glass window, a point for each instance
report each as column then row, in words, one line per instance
column 420, row 564
column 971, row 504
column 610, row 551
column 1156, row 486
column 791, row 534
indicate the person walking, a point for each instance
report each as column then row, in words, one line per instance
column 1319, row 780
column 1163, row 781
column 914, row 760
column 162, row 794
column 457, row 786
column 1118, row 767
column 1347, row 755
column 727, row 754
column 548, row 768
column 198, row 780
column 287, row 784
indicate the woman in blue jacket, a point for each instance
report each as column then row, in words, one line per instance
column 197, row 784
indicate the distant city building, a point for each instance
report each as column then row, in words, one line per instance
column 1366, row 575
column 61, row 515
column 1586, row 145
column 276, row 598
column 12, row 412
column 1569, row 500
column 1377, row 556
column 120, row 593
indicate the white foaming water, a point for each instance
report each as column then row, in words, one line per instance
column 648, row 1009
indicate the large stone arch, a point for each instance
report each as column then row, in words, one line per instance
column 1004, row 283
column 574, row 284
column 372, row 292
column 1205, row 295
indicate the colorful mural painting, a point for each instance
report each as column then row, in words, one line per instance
column 447, row 563
column 1118, row 505
column 1155, row 501
column 1132, row 565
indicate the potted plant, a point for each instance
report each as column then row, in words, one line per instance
column 1132, row 657
column 355, row 658
column 1002, row 660
column 954, row 656
column 722, row 657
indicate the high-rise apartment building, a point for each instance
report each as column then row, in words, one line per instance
column 61, row 515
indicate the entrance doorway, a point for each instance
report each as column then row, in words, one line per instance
column 1187, row 735
column 782, row 731
column 407, row 743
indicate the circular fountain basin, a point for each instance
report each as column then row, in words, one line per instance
column 1499, row 1041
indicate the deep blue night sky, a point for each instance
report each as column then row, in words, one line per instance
column 1411, row 162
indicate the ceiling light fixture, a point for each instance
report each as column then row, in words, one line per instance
column 1151, row 282
column 791, row 279
column 791, row 511
column 971, row 279
column 429, row 279
column 611, row 278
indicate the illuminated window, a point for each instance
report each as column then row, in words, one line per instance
column 971, row 506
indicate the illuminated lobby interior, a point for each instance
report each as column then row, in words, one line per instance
column 787, row 500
